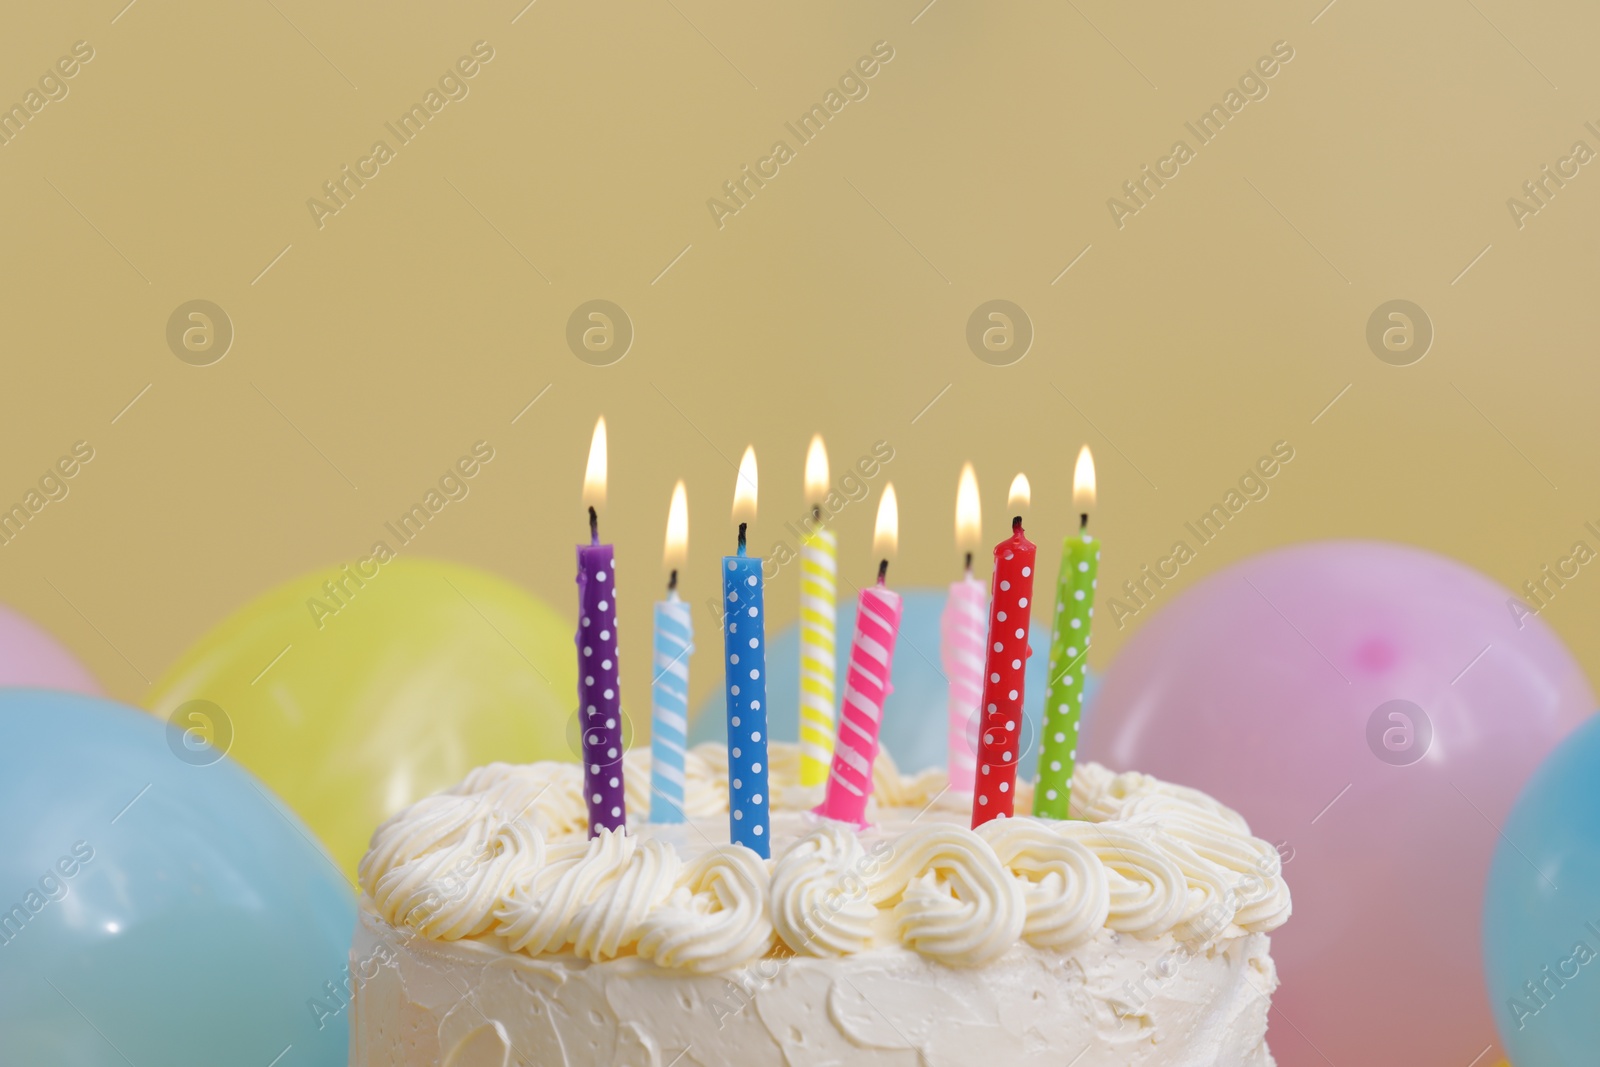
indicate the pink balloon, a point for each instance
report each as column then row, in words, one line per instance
column 1266, row 686
column 29, row 657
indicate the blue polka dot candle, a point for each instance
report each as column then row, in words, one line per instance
column 599, row 690
column 1069, row 652
column 744, row 634
column 669, row 685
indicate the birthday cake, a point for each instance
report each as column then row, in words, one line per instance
column 494, row 930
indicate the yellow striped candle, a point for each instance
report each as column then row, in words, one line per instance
column 819, row 584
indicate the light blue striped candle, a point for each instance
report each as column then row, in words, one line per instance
column 744, row 638
column 669, row 708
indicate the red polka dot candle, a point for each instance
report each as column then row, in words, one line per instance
column 866, row 686
column 599, row 688
column 994, row 790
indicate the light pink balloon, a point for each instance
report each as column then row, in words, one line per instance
column 1259, row 684
column 29, row 657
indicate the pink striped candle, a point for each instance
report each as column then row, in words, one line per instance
column 961, row 630
column 866, row 686
column 961, row 640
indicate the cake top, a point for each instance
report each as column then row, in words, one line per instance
column 504, row 861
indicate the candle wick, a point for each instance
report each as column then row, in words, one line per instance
column 1083, row 520
column 594, row 527
column 672, row 582
column 969, row 562
column 816, row 512
column 1016, row 524
column 742, row 527
column 883, row 570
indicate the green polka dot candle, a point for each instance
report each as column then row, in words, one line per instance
column 1069, row 653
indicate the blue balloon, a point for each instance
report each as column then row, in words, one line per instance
column 915, row 717
column 1541, row 921
column 157, row 905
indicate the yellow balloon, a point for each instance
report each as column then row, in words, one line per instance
column 352, row 695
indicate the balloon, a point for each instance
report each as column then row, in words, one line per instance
column 1541, row 916
column 1372, row 708
column 31, row 657
column 158, row 908
column 914, row 716
column 352, row 706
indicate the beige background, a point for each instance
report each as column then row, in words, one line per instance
column 370, row 353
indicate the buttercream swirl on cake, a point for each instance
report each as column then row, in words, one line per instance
column 474, row 872
column 951, row 897
column 592, row 896
column 503, row 857
column 819, row 894
column 1065, row 887
column 1148, row 893
column 717, row 919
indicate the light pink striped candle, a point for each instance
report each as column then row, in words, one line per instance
column 961, row 631
column 866, row 687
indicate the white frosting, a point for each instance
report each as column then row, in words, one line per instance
column 1067, row 889
column 453, row 850
column 819, row 901
column 717, row 919
column 1147, row 890
column 493, row 931
column 1114, row 1001
column 502, row 859
column 951, row 897
column 591, row 896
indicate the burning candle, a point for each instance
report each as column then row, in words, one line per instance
column 1069, row 649
column 669, row 689
column 1005, row 668
column 866, row 684
column 744, row 643
column 819, row 566
column 961, row 640
column 599, row 690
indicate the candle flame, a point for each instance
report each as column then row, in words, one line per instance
column 677, row 549
column 816, row 470
column 1083, row 482
column 594, row 475
column 744, row 489
column 886, row 533
column 969, row 516
column 1021, row 494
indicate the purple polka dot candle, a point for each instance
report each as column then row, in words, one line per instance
column 599, row 688
column 744, row 634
